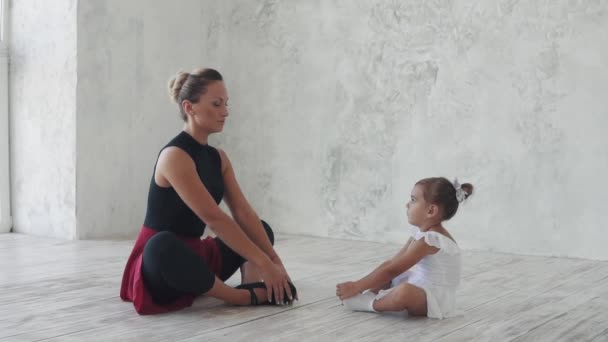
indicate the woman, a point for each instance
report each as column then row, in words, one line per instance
column 170, row 265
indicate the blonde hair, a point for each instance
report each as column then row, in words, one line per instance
column 190, row 86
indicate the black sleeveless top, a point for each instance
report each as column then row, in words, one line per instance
column 166, row 210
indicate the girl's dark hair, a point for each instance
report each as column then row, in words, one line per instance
column 440, row 191
column 190, row 86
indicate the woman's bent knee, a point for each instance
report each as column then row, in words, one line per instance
column 269, row 231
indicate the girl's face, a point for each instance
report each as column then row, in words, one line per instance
column 417, row 207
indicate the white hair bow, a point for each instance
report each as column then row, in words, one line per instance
column 460, row 193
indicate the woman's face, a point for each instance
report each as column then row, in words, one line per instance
column 211, row 110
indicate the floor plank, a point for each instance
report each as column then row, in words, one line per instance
column 55, row 290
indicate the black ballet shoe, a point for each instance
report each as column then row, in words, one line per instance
column 262, row 285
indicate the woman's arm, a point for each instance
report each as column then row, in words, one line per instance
column 247, row 218
column 177, row 168
column 404, row 260
column 241, row 210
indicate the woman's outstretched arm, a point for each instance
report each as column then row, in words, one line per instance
column 247, row 218
column 177, row 168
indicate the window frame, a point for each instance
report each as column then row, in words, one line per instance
column 4, row 11
column 6, row 223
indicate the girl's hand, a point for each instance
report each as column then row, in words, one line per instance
column 347, row 290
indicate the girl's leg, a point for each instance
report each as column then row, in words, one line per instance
column 403, row 297
column 383, row 287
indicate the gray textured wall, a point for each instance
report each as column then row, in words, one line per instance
column 127, row 51
column 42, row 88
column 338, row 107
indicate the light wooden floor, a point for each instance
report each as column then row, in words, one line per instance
column 68, row 291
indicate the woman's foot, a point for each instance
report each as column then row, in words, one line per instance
column 236, row 296
column 259, row 295
column 250, row 273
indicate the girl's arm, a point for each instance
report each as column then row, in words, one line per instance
column 407, row 244
column 388, row 284
column 409, row 256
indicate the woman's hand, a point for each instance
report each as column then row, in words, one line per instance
column 277, row 261
column 347, row 290
column 277, row 281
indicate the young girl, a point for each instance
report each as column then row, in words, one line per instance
column 429, row 288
